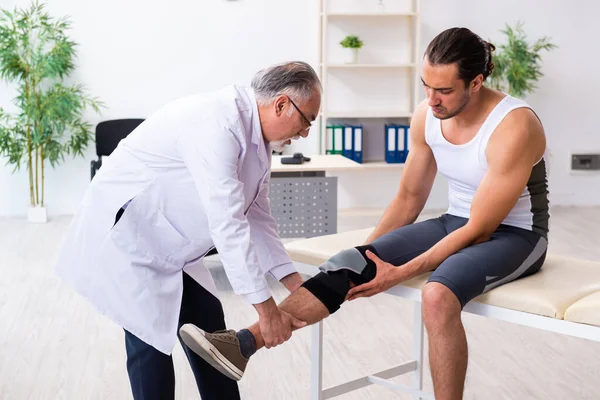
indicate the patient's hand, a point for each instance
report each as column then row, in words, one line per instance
column 385, row 278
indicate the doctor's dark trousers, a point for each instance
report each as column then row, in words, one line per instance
column 151, row 372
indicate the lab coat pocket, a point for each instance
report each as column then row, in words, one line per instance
column 148, row 238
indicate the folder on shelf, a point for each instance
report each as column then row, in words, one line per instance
column 338, row 139
column 348, row 150
column 406, row 141
column 391, row 138
column 329, row 139
column 346, row 140
column 358, row 141
column 401, row 143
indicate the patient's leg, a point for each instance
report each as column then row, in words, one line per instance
column 323, row 294
column 301, row 304
column 317, row 298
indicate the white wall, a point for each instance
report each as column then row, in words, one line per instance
column 137, row 55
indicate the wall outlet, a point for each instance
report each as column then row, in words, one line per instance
column 585, row 162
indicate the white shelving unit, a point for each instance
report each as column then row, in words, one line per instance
column 383, row 86
column 369, row 14
column 330, row 66
column 371, row 114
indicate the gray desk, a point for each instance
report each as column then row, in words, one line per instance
column 303, row 198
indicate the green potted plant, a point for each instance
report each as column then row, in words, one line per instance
column 37, row 55
column 353, row 44
column 517, row 64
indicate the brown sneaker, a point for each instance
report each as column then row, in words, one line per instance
column 220, row 349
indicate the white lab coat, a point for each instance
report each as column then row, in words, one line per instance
column 194, row 175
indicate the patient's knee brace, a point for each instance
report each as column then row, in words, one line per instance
column 332, row 284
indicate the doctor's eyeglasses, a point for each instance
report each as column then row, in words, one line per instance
column 307, row 123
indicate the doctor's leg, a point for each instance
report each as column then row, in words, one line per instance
column 151, row 372
column 201, row 308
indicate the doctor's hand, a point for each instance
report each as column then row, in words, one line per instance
column 275, row 324
column 292, row 281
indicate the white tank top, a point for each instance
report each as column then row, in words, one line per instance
column 465, row 165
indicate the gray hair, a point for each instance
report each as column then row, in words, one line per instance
column 296, row 79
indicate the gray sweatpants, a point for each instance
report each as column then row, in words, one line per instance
column 511, row 253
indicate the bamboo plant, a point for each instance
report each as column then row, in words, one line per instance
column 517, row 64
column 37, row 55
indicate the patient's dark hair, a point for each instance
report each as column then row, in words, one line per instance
column 471, row 53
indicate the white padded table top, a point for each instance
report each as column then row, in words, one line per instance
column 561, row 282
column 585, row 311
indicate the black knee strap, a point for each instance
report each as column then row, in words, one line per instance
column 371, row 269
column 322, row 286
column 331, row 288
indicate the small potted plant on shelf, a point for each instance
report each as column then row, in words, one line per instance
column 353, row 44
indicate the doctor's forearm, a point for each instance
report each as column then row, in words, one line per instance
column 265, row 308
column 292, row 281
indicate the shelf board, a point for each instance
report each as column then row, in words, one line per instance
column 369, row 166
column 371, row 14
column 370, row 65
column 369, row 114
column 381, row 164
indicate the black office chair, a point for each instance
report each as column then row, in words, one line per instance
column 108, row 135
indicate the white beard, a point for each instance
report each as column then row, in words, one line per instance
column 278, row 145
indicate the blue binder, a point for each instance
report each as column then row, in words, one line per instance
column 358, row 142
column 348, row 149
column 406, row 141
column 402, row 148
column 391, row 143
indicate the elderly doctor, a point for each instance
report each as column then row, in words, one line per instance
column 192, row 177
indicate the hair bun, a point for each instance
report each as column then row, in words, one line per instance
column 490, row 64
